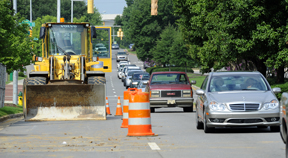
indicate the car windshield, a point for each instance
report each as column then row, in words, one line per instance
column 170, row 78
column 67, row 39
column 121, row 53
column 141, row 85
column 141, row 76
column 253, row 82
column 130, row 73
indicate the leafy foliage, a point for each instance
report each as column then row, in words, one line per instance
column 223, row 32
column 142, row 28
column 15, row 45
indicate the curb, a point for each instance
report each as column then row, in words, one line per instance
column 3, row 118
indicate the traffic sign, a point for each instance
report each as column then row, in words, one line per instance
column 31, row 24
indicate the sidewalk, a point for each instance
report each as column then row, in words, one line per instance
column 9, row 91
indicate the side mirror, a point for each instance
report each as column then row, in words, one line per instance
column 276, row 90
column 93, row 32
column 193, row 82
column 42, row 33
column 200, row 92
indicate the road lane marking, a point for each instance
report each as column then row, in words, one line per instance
column 154, row 146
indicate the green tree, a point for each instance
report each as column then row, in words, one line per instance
column 15, row 46
column 162, row 51
column 223, row 32
column 142, row 28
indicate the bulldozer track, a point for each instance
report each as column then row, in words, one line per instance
column 96, row 80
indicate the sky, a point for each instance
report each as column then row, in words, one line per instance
column 110, row 6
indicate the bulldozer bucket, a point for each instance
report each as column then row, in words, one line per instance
column 64, row 102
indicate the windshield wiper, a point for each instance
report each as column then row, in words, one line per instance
column 250, row 89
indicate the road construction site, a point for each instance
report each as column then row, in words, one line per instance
column 175, row 135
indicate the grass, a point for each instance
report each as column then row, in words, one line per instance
column 197, row 77
column 6, row 110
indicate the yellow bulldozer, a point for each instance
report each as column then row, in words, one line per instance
column 68, row 82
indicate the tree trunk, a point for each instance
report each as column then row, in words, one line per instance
column 280, row 74
column 261, row 67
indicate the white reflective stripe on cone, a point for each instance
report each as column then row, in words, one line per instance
column 126, row 102
column 107, row 105
column 125, row 115
column 139, row 106
column 106, row 101
column 139, row 121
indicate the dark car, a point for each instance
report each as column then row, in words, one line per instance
column 170, row 89
column 137, row 77
column 115, row 46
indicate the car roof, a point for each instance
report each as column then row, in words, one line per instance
column 133, row 67
column 121, row 52
column 143, row 72
column 169, row 72
column 233, row 72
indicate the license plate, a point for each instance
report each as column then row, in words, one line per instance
column 170, row 101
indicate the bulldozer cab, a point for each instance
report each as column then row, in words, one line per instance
column 67, row 39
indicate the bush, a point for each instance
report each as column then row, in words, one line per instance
column 284, row 88
column 158, row 69
column 21, row 74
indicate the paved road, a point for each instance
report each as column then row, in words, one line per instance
column 177, row 136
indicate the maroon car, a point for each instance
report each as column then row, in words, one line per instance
column 170, row 89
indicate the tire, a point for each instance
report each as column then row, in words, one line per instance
column 275, row 128
column 206, row 128
column 96, row 80
column 152, row 110
column 286, row 148
column 36, row 81
column 199, row 125
column 188, row 109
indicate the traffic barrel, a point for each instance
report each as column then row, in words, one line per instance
column 126, row 107
column 139, row 121
column 118, row 108
column 107, row 107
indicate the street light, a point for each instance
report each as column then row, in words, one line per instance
column 72, row 8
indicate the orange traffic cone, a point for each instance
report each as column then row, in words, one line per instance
column 118, row 109
column 107, row 107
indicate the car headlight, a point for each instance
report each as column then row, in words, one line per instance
column 135, row 83
column 272, row 105
column 155, row 93
column 186, row 93
column 214, row 106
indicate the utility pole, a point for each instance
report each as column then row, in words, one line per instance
column 15, row 6
column 31, row 11
column 58, row 11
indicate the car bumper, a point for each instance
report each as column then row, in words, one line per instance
column 122, row 59
column 257, row 118
column 171, row 102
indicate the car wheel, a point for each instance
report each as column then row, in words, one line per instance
column 188, row 109
column 199, row 125
column 275, row 128
column 126, row 87
column 286, row 148
column 152, row 110
column 206, row 128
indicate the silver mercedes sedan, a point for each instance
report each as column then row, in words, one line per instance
column 228, row 99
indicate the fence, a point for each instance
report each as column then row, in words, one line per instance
column 2, row 84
